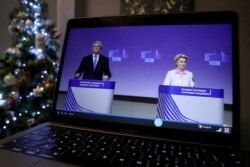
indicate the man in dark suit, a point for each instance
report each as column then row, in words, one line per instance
column 94, row 66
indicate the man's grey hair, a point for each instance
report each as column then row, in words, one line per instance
column 98, row 42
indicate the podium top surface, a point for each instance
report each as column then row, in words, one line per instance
column 192, row 91
column 91, row 84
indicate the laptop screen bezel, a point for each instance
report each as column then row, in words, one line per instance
column 227, row 17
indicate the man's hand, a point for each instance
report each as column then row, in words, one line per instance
column 77, row 75
column 105, row 77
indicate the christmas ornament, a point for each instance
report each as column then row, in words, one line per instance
column 9, row 79
column 48, row 87
column 38, row 91
column 20, row 14
column 28, row 22
column 11, row 30
column 48, row 84
column 18, row 52
column 40, row 41
column 19, row 46
column 31, row 121
column 10, row 51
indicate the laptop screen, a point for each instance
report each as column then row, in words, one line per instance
column 164, row 74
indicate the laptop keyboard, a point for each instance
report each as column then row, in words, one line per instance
column 100, row 149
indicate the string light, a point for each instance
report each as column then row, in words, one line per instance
column 7, row 121
column 35, row 6
column 17, row 71
column 45, row 33
column 24, row 38
column 14, row 118
column 2, row 102
column 35, row 32
column 4, row 127
column 38, row 52
column 29, row 32
column 33, row 114
column 37, row 14
column 37, row 23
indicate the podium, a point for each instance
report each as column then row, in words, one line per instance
column 189, row 104
column 92, row 96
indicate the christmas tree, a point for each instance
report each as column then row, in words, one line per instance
column 29, row 68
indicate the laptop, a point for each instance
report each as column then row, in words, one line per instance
column 135, row 118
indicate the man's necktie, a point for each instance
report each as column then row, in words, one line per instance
column 95, row 61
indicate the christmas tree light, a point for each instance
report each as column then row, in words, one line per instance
column 29, row 68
